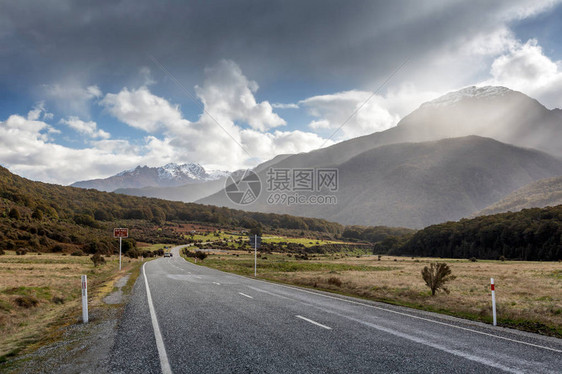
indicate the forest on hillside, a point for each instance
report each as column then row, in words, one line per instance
column 531, row 234
column 44, row 217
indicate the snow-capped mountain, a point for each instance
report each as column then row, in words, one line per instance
column 472, row 92
column 169, row 175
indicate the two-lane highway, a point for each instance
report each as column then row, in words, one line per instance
column 185, row 318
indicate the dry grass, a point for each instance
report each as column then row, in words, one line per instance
column 52, row 282
column 529, row 294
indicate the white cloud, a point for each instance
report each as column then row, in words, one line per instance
column 38, row 111
column 141, row 109
column 524, row 67
column 25, row 148
column 354, row 112
column 227, row 93
column 88, row 128
column 285, row 106
column 218, row 139
column 71, row 98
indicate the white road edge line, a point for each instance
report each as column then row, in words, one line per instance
column 164, row 363
column 418, row 317
column 217, row 283
column 314, row 322
column 401, row 313
column 243, row 294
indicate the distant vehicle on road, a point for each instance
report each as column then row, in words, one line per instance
column 167, row 254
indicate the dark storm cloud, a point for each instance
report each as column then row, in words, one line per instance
column 101, row 42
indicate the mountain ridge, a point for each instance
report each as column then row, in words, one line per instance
column 169, row 175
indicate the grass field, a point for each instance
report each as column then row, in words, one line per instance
column 529, row 294
column 39, row 292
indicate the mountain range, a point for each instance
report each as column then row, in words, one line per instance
column 450, row 158
column 170, row 175
column 402, row 177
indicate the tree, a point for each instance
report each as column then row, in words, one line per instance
column 14, row 213
column 256, row 230
column 436, row 275
column 97, row 259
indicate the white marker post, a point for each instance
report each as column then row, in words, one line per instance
column 84, row 299
column 255, row 255
column 493, row 300
column 120, row 233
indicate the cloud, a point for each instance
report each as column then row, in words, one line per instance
column 232, row 131
column 140, row 109
column 285, row 106
column 88, row 128
column 26, row 148
column 38, row 111
column 525, row 67
column 354, row 112
column 227, row 93
column 71, row 98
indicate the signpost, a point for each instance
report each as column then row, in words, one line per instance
column 256, row 242
column 120, row 233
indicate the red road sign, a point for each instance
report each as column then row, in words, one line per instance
column 120, row 233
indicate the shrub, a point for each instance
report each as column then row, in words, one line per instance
column 97, row 259
column 21, row 252
column 57, row 248
column 201, row 255
column 502, row 258
column 57, row 300
column 14, row 213
column 473, row 259
column 77, row 253
column 26, row 301
column 335, row 281
column 436, row 275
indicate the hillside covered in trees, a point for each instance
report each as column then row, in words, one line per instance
column 44, row 217
column 531, row 234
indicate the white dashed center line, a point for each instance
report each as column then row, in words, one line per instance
column 314, row 322
column 243, row 294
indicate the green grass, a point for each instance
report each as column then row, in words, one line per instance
column 244, row 265
column 307, row 242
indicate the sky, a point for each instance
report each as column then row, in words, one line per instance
column 89, row 89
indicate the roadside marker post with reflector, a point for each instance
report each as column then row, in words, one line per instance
column 493, row 288
column 84, row 299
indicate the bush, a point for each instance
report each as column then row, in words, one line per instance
column 201, row 255
column 335, row 281
column 473, row 259
column 436, row 275
column 14, row 213
column 77, row 253
column 26, row 301
column 57, row 300
column 21, row 252
column 502, row 258
column 97, row 259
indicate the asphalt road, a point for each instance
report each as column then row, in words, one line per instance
column 199, row 320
